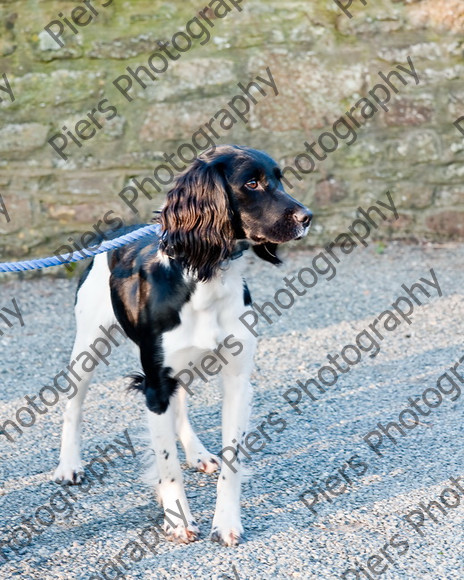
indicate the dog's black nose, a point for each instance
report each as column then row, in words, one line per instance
column 304, row 217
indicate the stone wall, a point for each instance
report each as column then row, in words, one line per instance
column 322, row 61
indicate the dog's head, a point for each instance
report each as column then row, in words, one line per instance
column 229, row 193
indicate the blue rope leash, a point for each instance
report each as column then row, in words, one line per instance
column 77, row 255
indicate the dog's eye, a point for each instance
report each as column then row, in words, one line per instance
column 252, row 184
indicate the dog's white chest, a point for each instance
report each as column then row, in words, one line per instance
column 203, row 323
column 203, row 314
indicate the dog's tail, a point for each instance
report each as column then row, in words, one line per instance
column 157, row 396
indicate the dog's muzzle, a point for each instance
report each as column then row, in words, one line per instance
column 303, row 217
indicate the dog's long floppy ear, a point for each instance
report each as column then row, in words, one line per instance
column 197, row 220
column 267, row 252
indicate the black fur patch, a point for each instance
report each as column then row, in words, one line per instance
column 157, row 399
column 82, row 279
column 267, row 252
column 147, row 297
column 228, row 194
column 246, row 294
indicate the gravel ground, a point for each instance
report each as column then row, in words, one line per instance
column 283, row 538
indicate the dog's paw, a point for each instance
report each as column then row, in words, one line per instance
column 181, row 534
column 227, row 535
column 67, row 475
column 230, row 537
column 205, row 462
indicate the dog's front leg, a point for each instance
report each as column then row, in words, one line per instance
column 178, row 521
column 227, row 527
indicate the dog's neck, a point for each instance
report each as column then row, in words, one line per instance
column 240, row 247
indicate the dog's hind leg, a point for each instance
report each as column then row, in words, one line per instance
column 196, row 454
column 93, row 309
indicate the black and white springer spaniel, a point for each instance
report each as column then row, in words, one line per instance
column 177, row 297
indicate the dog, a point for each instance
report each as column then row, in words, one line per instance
column 179, row 296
